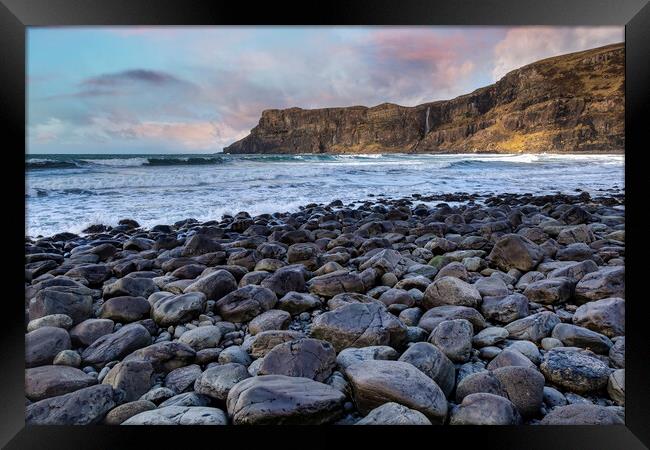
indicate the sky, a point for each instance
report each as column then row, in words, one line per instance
column 198, row 89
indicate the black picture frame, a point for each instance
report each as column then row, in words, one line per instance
column 17, row 15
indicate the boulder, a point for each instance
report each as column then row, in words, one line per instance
column 513, row 251
column 88, row 331
column 335, row 283
column 606, row 282
column 575, row 336
column 127, row 410
column 375, row 382
column 43, row 344
column 85, row 406
column 606, row 316
column 394, row 414
column 280, row 400
column 125, row 309
column 200, row 338
column 245, row 303
column 216, row 381
column 451, row 291
column 524, row 386
column 295, row 303
column 181, row 379
column 482, row 381
column 213, row 285
column 484, row 409
column 50, row 381
column 263, row 342
column 285, row 280
column 272, row 319
column 73, row 301
column 582, row 414
column 359, row 325
column 179, row 415
column 431, row 361
column 576, row 371
column 308, row 358
column 115, row 346
column 130, row 287
column 505, row 309
column 175, row 309
column 350, row 356
column 164, row 356
column 454, row 339
column 433, row 317
column 550, row 291
column 132, row 377
column 534, row 327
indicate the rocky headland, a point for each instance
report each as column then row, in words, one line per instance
column 565, row 104
column 452, row 309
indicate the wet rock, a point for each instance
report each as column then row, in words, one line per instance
column 181, row 379
column 284, row 281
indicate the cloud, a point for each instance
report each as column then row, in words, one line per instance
column 525, row 45
column 151, row 77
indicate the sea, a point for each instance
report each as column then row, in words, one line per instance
column 71, row 192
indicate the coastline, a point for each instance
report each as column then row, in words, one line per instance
column 451, row 291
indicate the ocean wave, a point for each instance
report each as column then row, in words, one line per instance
column 46, row 163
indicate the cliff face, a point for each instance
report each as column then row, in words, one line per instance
column 569, row 103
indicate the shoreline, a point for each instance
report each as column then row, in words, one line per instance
column 456, row 197
column 498, row 308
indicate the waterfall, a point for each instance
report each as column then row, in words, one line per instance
column 426, row 123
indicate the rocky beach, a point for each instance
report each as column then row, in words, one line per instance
column 450, row 309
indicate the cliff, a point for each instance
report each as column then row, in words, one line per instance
column 568, row 103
